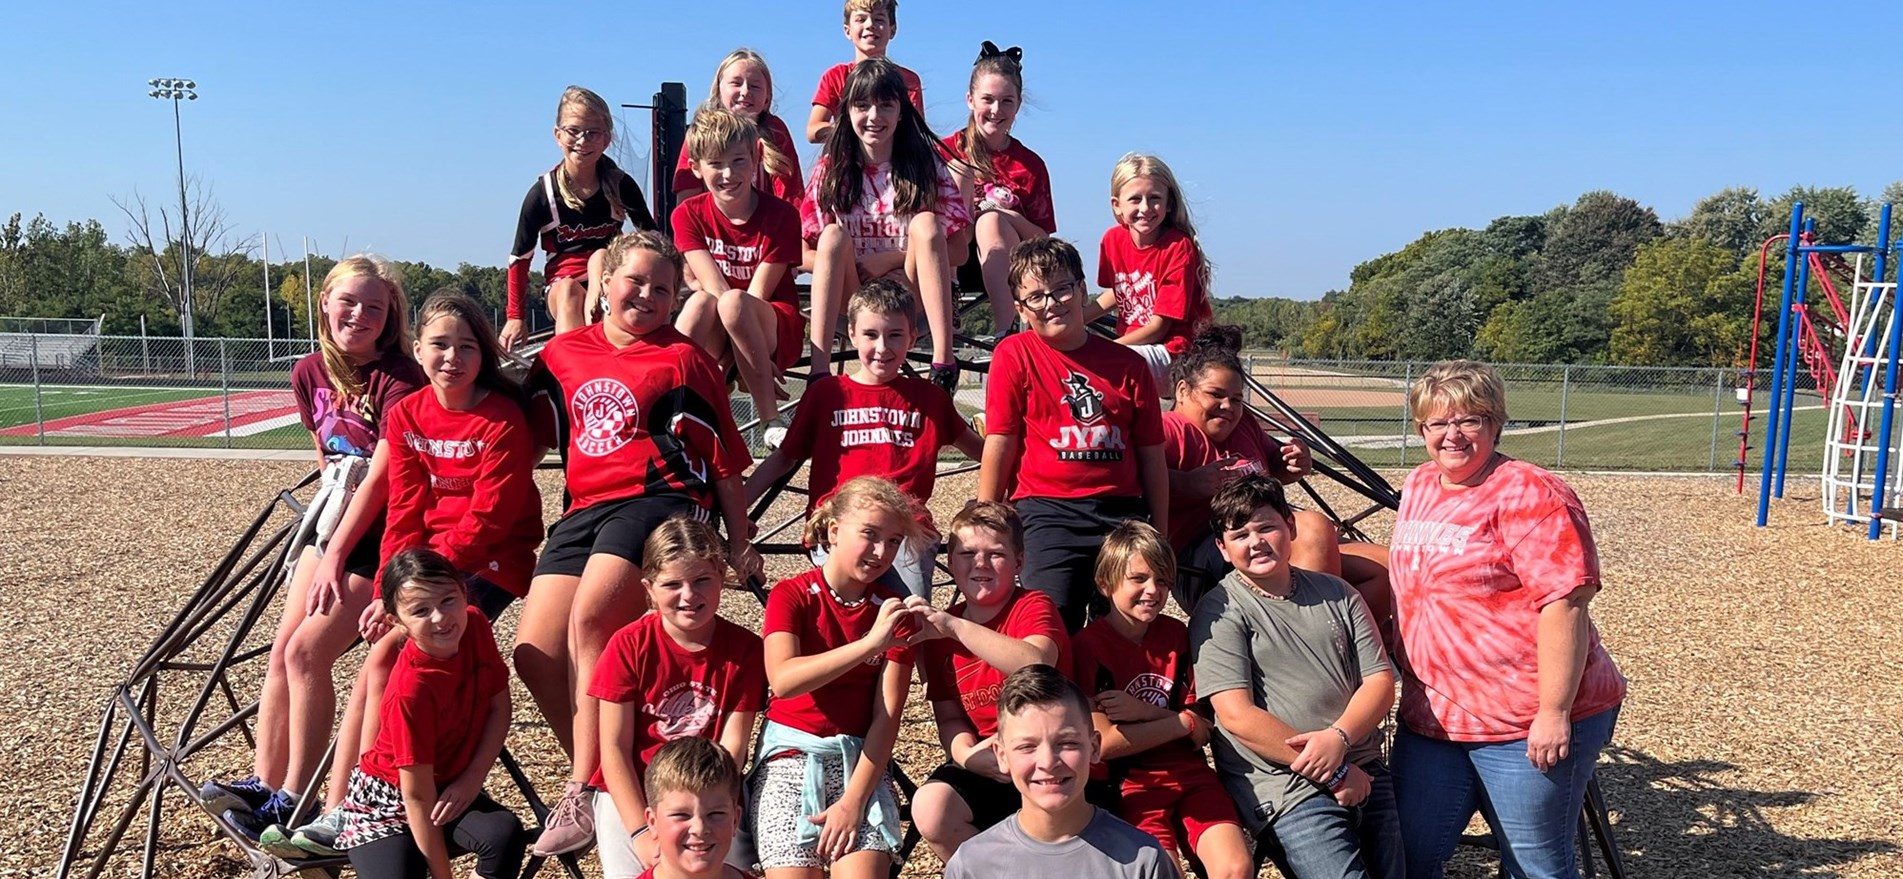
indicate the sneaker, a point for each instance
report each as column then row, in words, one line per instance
column 570, row 826
column 945, row 375
column 775, row 434
column 275, row 841
column 243, row 795
column 253, row 823
column 319, row 837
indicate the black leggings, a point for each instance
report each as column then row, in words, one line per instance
column 487, row 830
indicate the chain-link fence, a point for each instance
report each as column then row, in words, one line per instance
column 61, row 389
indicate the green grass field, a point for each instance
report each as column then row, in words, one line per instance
column 64, row 401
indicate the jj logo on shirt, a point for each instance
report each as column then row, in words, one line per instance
column 603, row 414
column 1088, row 439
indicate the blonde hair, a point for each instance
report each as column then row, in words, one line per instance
column 889, row 7
column 860, row 493
column 343, row 374
column 996, row 517
column 776, row 163
column 1134, row 539
column 682, row 538
column 625, row 244
column 717, row 131
column 691, row 764
column 607, row 173
column 1139, row 165
column 1466, row 386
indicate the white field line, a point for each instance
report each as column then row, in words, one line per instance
column 1385, row 442
column 107, row 397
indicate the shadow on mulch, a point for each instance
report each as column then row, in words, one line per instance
column 1686, row 819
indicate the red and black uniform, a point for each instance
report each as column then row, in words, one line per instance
column 849, row 429
column 832, row 89
column 806, row 606
column 1168, row 787
column 678, row 692
column 770, row 236
column 788, row 187
column 1018, row 171
column 645, row 432
column 463, row 484
column 569, row 236
column 1080, row 417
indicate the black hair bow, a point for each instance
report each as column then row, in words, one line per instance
column 991, row 50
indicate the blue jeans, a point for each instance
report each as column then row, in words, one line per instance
column 1534, row 814
column 1323, row 839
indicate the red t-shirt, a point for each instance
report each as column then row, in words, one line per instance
column 1023, row 183
column 952, row 672
column 1156, row 671
column 433, row 710
column 463, row 484
column 1159, row 279
column 646, row 419
column 832, row 88
column 1186, row 447
column 1471, row 569
column 1081, row 415
column 892, row 430
column 807, row 607
column 678, row 692
column 874, row 223
column 771, row 235
column 351, row 427
column 787, row 187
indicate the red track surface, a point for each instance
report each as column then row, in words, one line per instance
column 182, row 418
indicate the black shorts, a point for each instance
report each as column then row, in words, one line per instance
column 366, row 558
column 1061, row 539
column 489, row 598
column 617, row 528
column 989, row 799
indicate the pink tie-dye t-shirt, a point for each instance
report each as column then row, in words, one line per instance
column 1471, row 570
column 875, row 224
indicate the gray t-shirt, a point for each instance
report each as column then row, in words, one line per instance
column 1301, row 659
column 1108, row 848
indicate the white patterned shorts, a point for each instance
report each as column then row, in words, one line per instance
column 777, row 815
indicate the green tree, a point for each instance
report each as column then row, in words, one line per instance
column 1665, row 313
column 1840, row 213
column 1732, row 218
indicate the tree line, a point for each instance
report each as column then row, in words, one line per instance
column 1602, row 280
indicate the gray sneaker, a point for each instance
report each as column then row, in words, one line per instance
column 319, row 837
column 275, row 841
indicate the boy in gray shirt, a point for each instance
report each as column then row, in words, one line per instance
column 1046, row 743
column 1294, row 669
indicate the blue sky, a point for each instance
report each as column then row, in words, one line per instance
column 1309, row 137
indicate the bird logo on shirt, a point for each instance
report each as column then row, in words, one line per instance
column 1085, row 402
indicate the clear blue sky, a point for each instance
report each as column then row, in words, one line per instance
column 1310, row 137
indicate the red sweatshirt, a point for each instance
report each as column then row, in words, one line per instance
column 463, row 484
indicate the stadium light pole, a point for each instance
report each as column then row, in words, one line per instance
column 175, row 90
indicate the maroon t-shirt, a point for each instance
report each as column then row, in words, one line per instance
column 352, row 426
column 1080, row 415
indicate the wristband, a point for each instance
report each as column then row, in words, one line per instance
column 1341, row 775
column 1194, row 721
column 1344, row 736
column 636, row 833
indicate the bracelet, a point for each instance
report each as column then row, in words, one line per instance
column 1344, row 736
column 1194, row 721
column 1341, row 775
column 636, row 834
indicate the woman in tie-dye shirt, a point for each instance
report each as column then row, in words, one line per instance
column 1507, row 694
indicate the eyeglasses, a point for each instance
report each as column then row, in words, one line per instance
column 1469, row 425
column 581, row 134
column 1042, row 299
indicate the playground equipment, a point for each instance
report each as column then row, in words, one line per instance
column 1851, row 356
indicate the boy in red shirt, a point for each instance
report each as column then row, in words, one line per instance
column 1074, row 417
column 1135, row 663
column 416, row 798
column 870, row 25
column 681, row 671
column 874, row 422
column 742, row 249
column 999, row 628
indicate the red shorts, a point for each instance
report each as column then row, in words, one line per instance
column 790, row 332
column 1185, row 798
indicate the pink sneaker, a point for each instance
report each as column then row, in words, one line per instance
column 570, row 825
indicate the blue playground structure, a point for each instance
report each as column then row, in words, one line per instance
column 1851, row 355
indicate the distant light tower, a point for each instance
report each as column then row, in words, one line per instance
column 176, row 90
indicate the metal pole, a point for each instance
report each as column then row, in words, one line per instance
column 145, row 346
column 1407, row 381
column 1880, row 487
column 1791, row 363
column 267, row 297
column 184, row 235
column 39, row 410
column 310, row 311
column 1717, row 405
column 1772, row 415
column 224, row 372
column 1565, row 390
